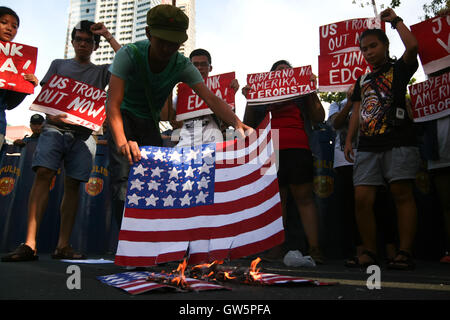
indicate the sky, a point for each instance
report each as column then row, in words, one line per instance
column 244, row 36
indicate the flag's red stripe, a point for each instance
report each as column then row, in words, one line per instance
column 149, row 261
column 225, row 231
column 250, row 178
column 213, row 209
column 229, row 163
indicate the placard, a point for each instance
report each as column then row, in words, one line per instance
column 279, row 86
column 190, row 105
column 337, row 72
column 16, row 60
column 431, row 99
column 83, row 103
column 433, row 36
column 341, row 61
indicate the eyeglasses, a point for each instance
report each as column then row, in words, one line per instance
column 87, row 41
column 201, row 64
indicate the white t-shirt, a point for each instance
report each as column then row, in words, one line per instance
column 339, row 157
column 443, row 132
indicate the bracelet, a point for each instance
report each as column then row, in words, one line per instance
column 110, row 38
column 394, row 22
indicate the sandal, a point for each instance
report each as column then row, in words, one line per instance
column 317, row 255
column 67, row 253
column 354, row 262
column 22, row 253
column 402, row 264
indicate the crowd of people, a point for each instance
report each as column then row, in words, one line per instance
column 376, row 149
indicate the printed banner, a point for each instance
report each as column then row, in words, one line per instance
column 337, row 72
column 341, row 61
column 279, row 86
column 431, row 99
column 190, row 105
column 83, row 103
column 433, row 36
column 16, row 60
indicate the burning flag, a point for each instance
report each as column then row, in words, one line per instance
column 209, row 202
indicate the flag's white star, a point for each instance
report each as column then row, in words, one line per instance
column 192, row 155
column 157, row 172
column 201, row 197
column 188, row 185
column 172, row 186
column 169, row 201
column 145, row 153
column 174, row 173
column 134, row 199
column 203, row 183
column 159, row 155
column 186, row 200
column 175, row 156
column 207, row 152
column 151, row 200
column 136, row 184
column 189, row 172
column 153, row 185
column 204, row 168
column 140, row 169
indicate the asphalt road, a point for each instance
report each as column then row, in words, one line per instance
column 47, row 279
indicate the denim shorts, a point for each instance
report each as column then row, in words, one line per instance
column 55, row 146
column 379, row 168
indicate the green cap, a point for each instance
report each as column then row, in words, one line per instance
column 168, row 23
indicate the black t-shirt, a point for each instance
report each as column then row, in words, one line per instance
column 384, row 122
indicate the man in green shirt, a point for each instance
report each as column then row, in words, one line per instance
column 143, row 75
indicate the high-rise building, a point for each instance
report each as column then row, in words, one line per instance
column 126, row 20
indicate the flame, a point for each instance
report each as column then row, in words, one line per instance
column 207, row 265
column 254, row 273
column 228, row 276
column 180, row 279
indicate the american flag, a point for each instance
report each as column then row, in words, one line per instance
column 208, row 202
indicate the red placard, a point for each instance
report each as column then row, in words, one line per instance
column 190, row 105
column 431, row 99
column 340, row 59
column 433, row 36
column 278, row 86
column 343, row 35
column 83, row 103
column 16, row 60
column 340, row 70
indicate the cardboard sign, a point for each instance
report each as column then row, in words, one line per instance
column 344, row 35
column 190, row 105
column 337, row 72
column 16, row 60
column 340, row 59
column 433, row 36
column 431, row 99
column 83, row 103
column 278, row 86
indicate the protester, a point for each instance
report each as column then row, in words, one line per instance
column 62, row 140
column 295, row 169
column 144, row 74
column 437, row 154
column 387, row 147
column 9, row 25
column 210, row 126
column 36, row 124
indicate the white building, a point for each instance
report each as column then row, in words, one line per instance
column 125, row 19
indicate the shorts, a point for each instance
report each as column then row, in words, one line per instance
column 295, row 166
column 55, row 145
column 377, row 168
